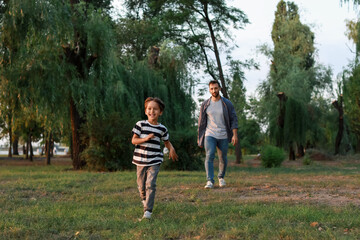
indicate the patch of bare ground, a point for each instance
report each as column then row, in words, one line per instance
column 267, row 193
column 317, row 158
column 294, row 194
column 331, row 190
column 37, row 161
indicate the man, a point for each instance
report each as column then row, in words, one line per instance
column 216, row 128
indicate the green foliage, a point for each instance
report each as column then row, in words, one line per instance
column 307, row 160
column 351, row 100
column 295, row 125
column 201, row 28
column 249, row 136
column 288, row 105
column 184, row 142
column 272, row 156
column 110, row 145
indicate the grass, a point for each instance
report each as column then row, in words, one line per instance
column 320, row 201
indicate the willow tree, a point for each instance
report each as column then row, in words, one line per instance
column 293, row 78
column 63, row 60
column 8, row 99
column 352, row 80
column 351, row 83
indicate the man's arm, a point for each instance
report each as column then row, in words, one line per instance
column 234, row 139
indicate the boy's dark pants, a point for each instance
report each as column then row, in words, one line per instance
column 146, row 181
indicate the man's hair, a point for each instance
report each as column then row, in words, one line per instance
column 157, row 100
column 214, row 82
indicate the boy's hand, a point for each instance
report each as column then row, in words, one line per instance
column 173, row 155
column 150, row 136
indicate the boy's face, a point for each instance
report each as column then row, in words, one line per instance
column 153, row 112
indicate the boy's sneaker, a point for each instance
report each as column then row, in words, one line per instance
column 222, row 182
column 209, row 184
column 147, row 215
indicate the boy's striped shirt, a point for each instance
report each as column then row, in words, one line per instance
column 149, row 153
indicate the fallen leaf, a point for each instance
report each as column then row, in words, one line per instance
column 314, row 224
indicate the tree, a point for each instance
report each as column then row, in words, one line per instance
column 201, row 27
column 351, row 82
column 62, row 60
column 294, row 79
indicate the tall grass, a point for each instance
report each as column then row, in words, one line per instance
column 52, row 202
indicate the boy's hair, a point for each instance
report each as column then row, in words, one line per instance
column 214, row 82
column 157, row 100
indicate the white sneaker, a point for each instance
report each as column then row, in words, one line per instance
column 147, row 215
column 222, row 182
column 209, row 184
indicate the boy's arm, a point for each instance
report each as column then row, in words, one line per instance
column 137, row 140
column 172, row 153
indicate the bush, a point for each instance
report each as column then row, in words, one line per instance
column 109, row 143
column 307, row 160
column 272, row 156
column 319, row 155
column 186, row 148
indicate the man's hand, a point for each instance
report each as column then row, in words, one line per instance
column 234, row 140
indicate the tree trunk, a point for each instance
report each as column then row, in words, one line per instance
column 216, row 51
column 27, row 149
column 47, row 144
column 77, row 146
column 31, row 149
column 51, row 147
column 24, row 151
column 291, row 153
column 10, row 140
column 238, row 152
column 16, row 146
column 300, row 151
column 339, row 108
column 357, row 149
column 71, row 148
column 281, row 118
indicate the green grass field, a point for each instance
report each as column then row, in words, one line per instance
column 320, row 201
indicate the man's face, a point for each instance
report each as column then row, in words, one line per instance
column 214, row 89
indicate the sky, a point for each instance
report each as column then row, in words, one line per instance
column 326, row 19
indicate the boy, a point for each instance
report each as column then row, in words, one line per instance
column 147, row 154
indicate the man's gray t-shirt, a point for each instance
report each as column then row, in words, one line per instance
column 215, row 121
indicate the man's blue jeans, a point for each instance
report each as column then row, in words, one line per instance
column 210, row 148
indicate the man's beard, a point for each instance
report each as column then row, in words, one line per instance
column 215, row 95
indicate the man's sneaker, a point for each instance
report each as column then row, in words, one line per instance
column 147, row 215
column 222, row 182
column 209, row 184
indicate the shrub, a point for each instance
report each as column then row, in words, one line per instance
column 272, row 156
column 307, row 160
column 109, row 143
column 319, row 155
column 189, row 153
